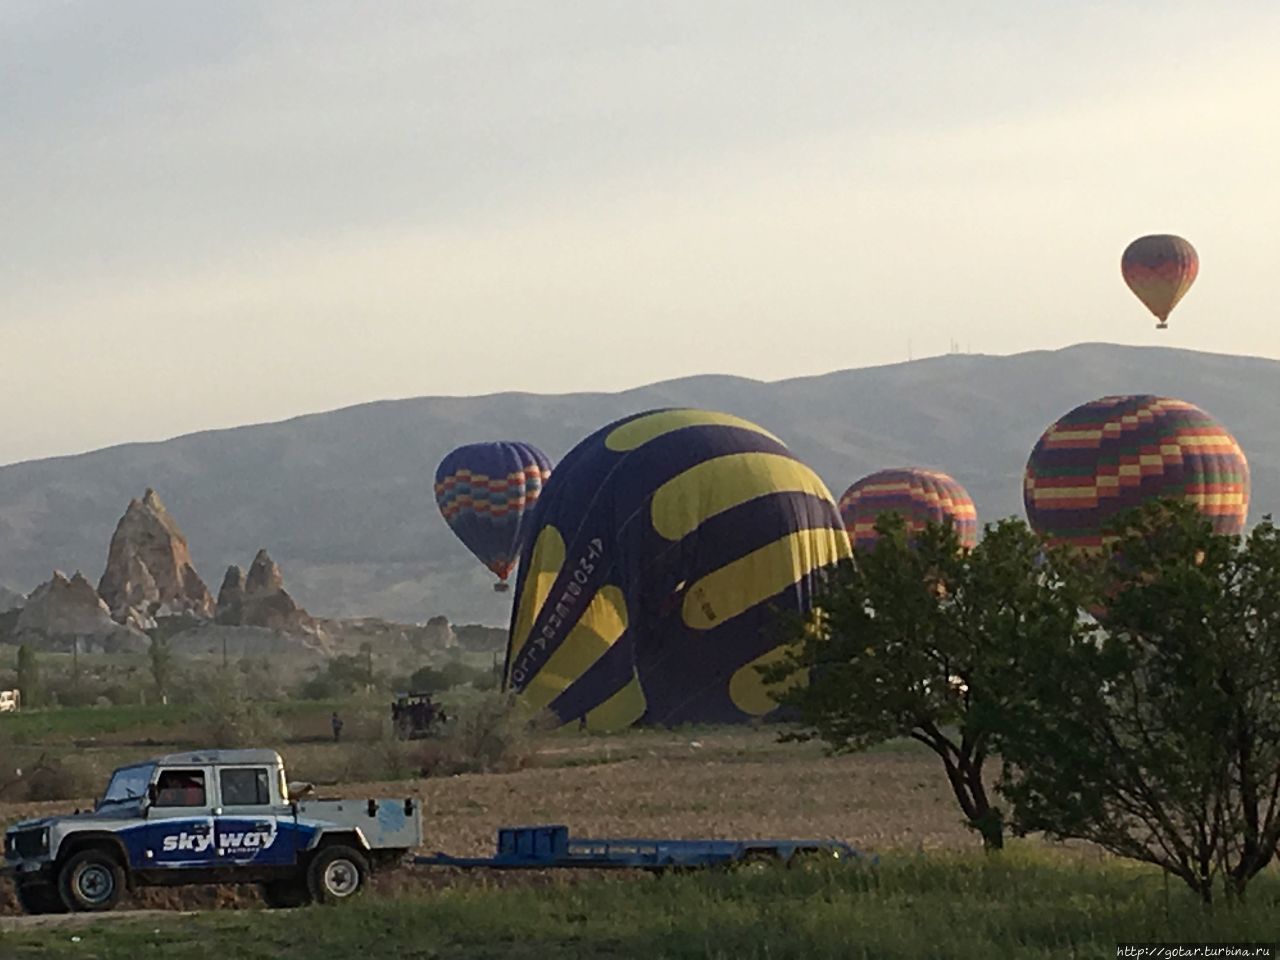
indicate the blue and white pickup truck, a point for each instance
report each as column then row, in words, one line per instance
column 213, row 816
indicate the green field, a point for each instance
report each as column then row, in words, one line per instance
column 1022, row 904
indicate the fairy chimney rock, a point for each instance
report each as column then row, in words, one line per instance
column 264, row 576
column 149, row 570
column 62, row 610
column 231, row 596
column 263, row 600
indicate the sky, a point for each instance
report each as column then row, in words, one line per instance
column 223, row 213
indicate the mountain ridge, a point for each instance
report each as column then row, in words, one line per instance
column 343, row 497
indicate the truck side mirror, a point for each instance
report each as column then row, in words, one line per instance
column 152, row 794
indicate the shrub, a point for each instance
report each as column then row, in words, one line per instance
column 225, row 716
column 62, row 778
column 487, row 737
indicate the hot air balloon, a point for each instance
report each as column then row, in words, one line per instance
column 1160, row 269
column 666, row 544
column 485, row 492
column 1113, row 454
column 920, row 496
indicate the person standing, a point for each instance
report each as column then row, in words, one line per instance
column 336, row 722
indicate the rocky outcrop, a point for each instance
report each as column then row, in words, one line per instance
column 438, row 634
column 62, row 612
column 231, row 597
column 261, row 600
column 149, row 571
column 213, row 640
column 264, row 576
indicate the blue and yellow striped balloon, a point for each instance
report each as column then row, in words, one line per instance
column 663, row 548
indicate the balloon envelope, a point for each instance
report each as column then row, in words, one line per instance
column 486, row 492
column 664, row 547
column 1160, row 269
column 920, row 496
column 1113, row 454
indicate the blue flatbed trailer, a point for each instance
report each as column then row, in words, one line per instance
column 551, row 847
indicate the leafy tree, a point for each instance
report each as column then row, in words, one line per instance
column 29, row 677
column 913, row 639
column 343, row 675
column 1159, row 739
column 161, row 657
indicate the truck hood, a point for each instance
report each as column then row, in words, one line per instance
column 122, row 811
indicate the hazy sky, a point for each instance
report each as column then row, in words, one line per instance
column 219, row 213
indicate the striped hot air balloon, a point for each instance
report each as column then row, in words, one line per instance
column 1160, row 269
column 920, row 496
column 666, row 544
column 485, row 491
column 1113, row 454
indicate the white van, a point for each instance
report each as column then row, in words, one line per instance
column 10, row 701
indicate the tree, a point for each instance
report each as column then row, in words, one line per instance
column 1159, row 738
column 29, row 677
column 913, row 638
column 161, row 665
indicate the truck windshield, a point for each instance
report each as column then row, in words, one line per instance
column 129, row 783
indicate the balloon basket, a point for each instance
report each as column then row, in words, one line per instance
column 501, row 587
column 1162, row 325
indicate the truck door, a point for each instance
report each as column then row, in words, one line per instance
column 250, row 826
column 179, row 827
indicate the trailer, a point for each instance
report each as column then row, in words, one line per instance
column 550, row 847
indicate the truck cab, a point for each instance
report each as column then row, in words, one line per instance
column 213, row 816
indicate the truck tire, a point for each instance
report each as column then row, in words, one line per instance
column 91, row 881
column 286, row 894
column 36, row 897
column 336, row 874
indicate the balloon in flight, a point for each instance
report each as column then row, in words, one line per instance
column 486, row 492
column 1160, row 269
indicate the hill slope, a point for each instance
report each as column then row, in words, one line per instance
column 344, row 502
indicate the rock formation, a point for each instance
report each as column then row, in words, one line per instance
column 438, row 634
column 262, row 600
column 231, row 597
column 61, row 612
column 149, row 571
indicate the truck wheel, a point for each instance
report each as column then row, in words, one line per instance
column 286, row 894
column 336, row 874
column 91, row 880
column 37, row 897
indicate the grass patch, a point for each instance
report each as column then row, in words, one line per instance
column 75, row 723
column 1025, row 905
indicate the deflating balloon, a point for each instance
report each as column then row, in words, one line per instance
column 1114, row 454
column 485, row 492
column 665, row 547
column 919, row 496
column 1160, row 269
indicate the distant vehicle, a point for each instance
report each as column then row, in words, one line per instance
column 10, row 701
column 216, row 816
column 417, row 715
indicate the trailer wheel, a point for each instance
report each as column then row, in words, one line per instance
column 336, row 874
column 286, row 894
column 813, row 861
column 91, row 881
column 755, row 861
column 37, row 897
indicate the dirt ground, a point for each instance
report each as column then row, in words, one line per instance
column 670, row 785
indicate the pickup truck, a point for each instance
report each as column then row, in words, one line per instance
column 212, row 816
